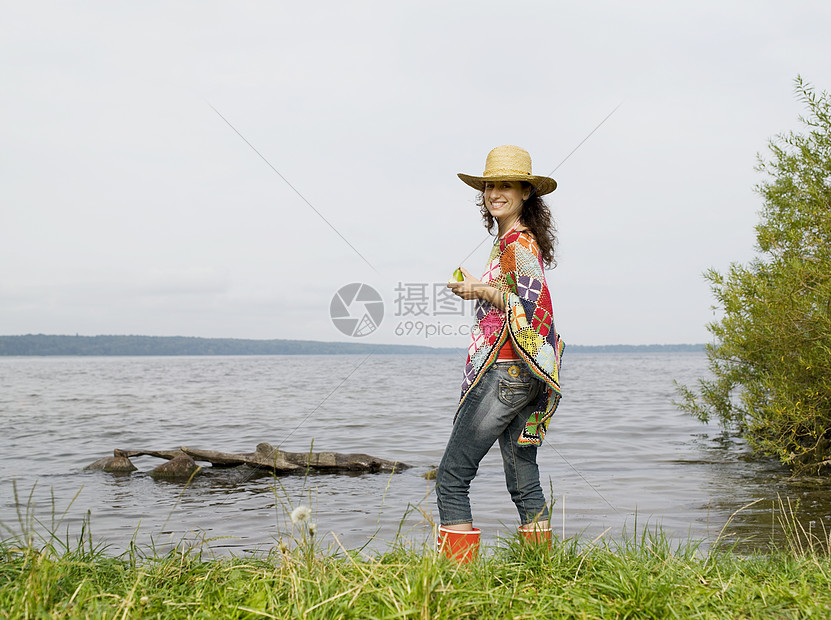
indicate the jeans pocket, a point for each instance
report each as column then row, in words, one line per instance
column 514, row 393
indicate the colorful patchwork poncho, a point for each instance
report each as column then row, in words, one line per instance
column 515, row 268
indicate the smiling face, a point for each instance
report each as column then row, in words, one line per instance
column 503, row 199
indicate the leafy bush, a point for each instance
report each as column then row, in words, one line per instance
column 771, row 359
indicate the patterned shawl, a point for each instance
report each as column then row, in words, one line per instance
column 515, row 268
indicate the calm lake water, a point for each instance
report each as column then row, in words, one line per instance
column 618, row 454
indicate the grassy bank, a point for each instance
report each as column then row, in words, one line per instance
column 643, row 578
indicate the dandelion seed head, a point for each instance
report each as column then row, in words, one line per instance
column 300, row 514
column 312, row 528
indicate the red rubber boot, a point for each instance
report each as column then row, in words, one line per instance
column 459, row 545
column 537, row 536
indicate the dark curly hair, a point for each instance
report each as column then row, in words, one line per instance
column 536, row 217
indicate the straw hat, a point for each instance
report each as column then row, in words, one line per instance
column 509, row 163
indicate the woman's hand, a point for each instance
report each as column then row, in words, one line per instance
column 472, row 288
column 469, row 288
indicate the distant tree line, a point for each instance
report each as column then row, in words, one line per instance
column 42, row 344
column 636, row 348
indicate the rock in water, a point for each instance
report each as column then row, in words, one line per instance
column 116, row 464
column 181, row 467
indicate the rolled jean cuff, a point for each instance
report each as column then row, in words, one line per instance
column 542, row 519
column 456, row 522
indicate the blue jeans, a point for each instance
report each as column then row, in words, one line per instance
column 496, row 409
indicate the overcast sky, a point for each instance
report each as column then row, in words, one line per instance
column 130, row 207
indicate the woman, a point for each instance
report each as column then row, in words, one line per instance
column 511, row 383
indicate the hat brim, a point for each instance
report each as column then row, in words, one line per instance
column 543, row 185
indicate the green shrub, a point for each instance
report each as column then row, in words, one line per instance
column 771, row 359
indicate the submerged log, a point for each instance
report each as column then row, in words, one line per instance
column 162, row 454
column 267, row 456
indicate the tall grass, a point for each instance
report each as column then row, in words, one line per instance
column 641, row 575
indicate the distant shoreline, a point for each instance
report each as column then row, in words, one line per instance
column 54, row 345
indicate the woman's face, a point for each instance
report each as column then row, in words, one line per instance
column 503, row 199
